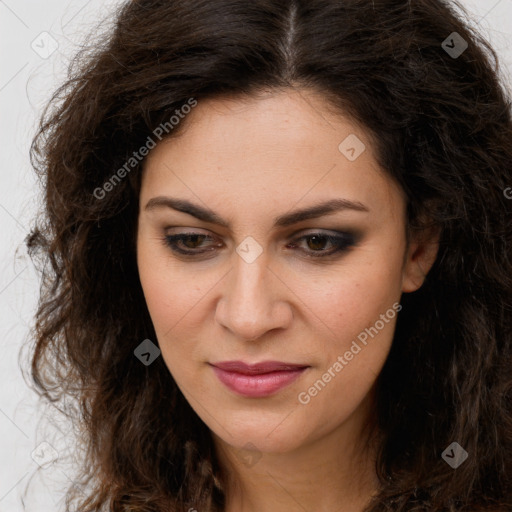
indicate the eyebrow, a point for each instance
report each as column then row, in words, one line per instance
column 288, row 219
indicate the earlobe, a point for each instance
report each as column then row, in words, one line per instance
column 421, row 255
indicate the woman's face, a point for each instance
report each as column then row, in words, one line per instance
column 263, row 282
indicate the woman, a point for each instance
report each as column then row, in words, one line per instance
column 280, row 243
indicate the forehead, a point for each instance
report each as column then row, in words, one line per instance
column 268, row 150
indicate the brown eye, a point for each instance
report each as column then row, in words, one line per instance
column 316, row 243
column 190, row 241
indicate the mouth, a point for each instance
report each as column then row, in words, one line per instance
column 257, row 380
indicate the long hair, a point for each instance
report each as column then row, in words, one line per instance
column 426, row 87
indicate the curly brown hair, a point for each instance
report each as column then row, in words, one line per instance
column 442, row 128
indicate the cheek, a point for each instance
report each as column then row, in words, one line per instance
column 352, row 297
column 169, row 306
column 355, row 319
column 357, row 323
column 169, row 293
column 175, row 299
column 360, row 315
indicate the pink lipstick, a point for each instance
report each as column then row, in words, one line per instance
column 257, row 380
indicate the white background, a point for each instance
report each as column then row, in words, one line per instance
column 27, row 80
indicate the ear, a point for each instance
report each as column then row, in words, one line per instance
column 420, row 257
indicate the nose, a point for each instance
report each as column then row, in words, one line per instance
column 254, row 300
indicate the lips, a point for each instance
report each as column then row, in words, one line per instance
column 257, row 368
column 257, row 380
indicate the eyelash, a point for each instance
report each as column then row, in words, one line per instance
column 341, row 242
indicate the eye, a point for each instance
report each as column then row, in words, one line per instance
column 192, row 244
column 316, row 243
column 190, row 241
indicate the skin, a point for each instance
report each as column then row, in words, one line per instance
column 251, row 160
